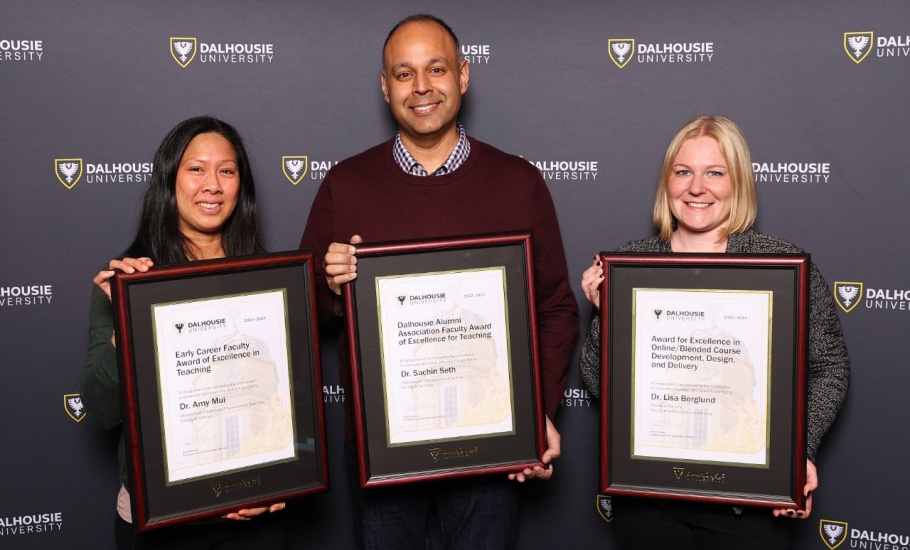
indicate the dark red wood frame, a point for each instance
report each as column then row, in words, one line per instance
column 799, row 263
column 364, row 253
column 143, row 518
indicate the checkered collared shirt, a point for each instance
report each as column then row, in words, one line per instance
column 407, row 163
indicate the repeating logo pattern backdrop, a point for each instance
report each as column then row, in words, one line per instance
column 589, row 92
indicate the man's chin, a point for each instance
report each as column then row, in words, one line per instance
column 425, row 129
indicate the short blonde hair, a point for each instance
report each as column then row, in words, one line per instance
column 733, row 147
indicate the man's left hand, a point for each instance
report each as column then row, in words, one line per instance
column 544, row 472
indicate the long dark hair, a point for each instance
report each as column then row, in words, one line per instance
column 158, row 234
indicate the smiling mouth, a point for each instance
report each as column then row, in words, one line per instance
column 698, row 204
column 424, row 109
column 209, row 205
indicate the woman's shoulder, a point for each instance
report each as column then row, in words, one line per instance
column 755, row 242
column 651, row 244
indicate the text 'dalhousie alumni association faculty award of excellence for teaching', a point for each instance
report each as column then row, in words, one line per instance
column 446, row 372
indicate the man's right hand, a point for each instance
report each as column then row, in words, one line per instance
column 340, row 264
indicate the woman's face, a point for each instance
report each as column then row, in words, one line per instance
column 699, row 188
column 207, row 185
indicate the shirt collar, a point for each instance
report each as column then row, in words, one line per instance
column 406, row 162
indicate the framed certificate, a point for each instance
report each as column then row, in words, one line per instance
column 703, row 377
column 444, row 359
column 221, row 386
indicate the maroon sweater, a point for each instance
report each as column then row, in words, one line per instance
column 369, row 195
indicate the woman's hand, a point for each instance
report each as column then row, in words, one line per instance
column 126, row 265
column 591, row 280
column 811, row 485
column 249, row 513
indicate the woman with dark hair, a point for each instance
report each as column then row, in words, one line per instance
column 161, row 233
column 706, row 203
column 200, row 204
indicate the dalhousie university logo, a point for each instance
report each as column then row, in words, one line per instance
column 605, row 507
column 834, row 533
column 69, row 171
column 657, row 313
column 858, row 45
column 178, row 327
column 72, row 404
column 621, row 50
column 294, row 168
column 434, row 453
column 183, row 50
column 847, row 295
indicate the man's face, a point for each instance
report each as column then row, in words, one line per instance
column 422, row 81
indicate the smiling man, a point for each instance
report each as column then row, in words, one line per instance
column 433, row 181
column 423, row 81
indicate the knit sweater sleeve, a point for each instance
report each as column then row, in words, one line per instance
column 100, row 384
column 557, row 310
column 590, row 357
column 317, row 235
column 829, row 364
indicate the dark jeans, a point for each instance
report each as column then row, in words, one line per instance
column 476, row 513
column 645, row 524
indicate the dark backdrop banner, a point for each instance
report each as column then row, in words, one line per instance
column 590, row 92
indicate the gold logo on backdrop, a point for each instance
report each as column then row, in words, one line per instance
column 434, row 453
column 183, row 50
column 72, row 404
column 847, row 295
column 834, row 533
column 858, row 45
column 621, row 50
column 69, row 171
column 294, row 168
